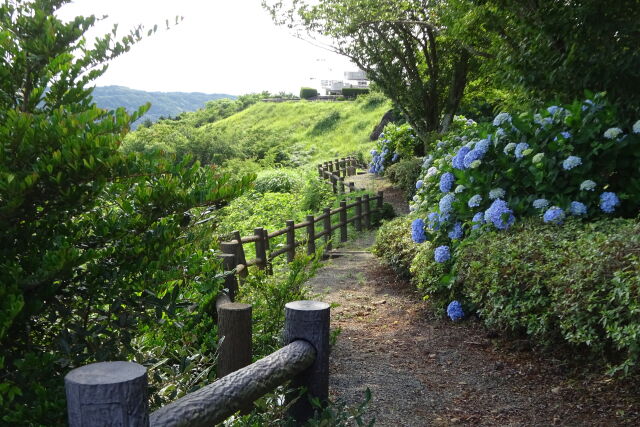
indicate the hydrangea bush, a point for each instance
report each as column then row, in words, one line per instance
column 395, row 142
column 564, row 161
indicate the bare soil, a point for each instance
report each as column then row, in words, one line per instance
column 423, row 369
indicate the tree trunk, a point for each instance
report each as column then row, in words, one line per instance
column 456, row 91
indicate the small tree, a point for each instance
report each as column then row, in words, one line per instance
column 97, row 244
column 308, row 92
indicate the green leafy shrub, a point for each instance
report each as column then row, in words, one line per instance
column 404, row 174
column 278, row 181
column 431, row 278
column 354, row 92
column 394, row 245
column 574, row 286
column 395, row 142
column 317, row 194
column 386, row 213
column 308, row 92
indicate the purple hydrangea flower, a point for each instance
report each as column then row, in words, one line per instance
column 417, row 231
column 454, row 311
column 499, row 215
column 442, row 254
column 609, row 201
column 554, row 215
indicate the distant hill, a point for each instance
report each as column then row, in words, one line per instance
column 163, row 104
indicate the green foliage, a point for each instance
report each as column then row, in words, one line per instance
column 316, row 195
column 384, row 214
column 394, row 245
column 99, row 245
column 278, row 181
column 432, row 278
column 575, row 286
column 354, row 92
column 326, row 124
column 308, row 92
column 404, row 174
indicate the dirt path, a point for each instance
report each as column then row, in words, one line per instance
column 425, row 370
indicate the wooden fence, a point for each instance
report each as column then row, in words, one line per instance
column 114, row 393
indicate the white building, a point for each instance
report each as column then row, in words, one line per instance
column 356, row 79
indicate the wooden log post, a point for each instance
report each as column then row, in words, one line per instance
column 261, row 248
column 380, row 201
column 291, row 240
column 309, row 321
column 320, row 171
column 267, row 250
column 234, row 331
column 240, row 254
column 358, row 221
column 334, row 184
column 107, row 394
column 229, row 263
column 367, row 212
column 311, row 235
column 327, row 228
column 352, row 187
column 331, row 166
column 343, row 221
column 341, row 185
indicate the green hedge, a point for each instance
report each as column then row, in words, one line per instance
column 404, row 174
column 353, row 92
column 394, row 245
column 577, row 285
column 308, row 92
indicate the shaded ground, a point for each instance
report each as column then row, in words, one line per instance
column 425, row 370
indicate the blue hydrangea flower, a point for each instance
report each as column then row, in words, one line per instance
column 540, row 203
column 433, row 221
column 499, row 134
column 587, row 185
column 445, row 204
column 586, row 104
column 609, row 201
column 459, row 189
column 419, row 184
column 554, row 215
column 566, row 135
column 636, row 127
column 432, row 171
column 446, row 182
column 417, row 231
column 454, row 311
column 472, row 156
column 612, row 133
column 499, row 215
column 374, row 152
column 484, row 144
column 474, row 201
column 520, row 148
column 554, row 109
column 456, row 232
column 502, row 118
column 427, row 161
column 395, row 157
column 458, row 160
column 571, row 162
column 478, row 220
column 442, row 254
column 577, row 208
column 496, row 193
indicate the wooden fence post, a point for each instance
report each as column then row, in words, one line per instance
column 291, row 240
column 327, row 228
column 367, row 212
column 267, row 250
column 107, row 393
column 309, row 321
column 334, row 184
column 320, row 171
column 234, row 332
column 229, row 263
column 352, row 187
column 261, row 249
column 331, row 166
column 343, row 221
column 341, row 185
column 358, row 221
column 380, row 201
column 311, row 235
column 240, row 257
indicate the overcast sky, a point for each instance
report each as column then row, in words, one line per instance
column 221, row 46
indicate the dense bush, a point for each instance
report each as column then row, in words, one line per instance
column 577, row 285
column 354, row 92
column 278, row 181
column 395, row 142
column 404, row 174
column 573, row 160
column 316, row 195
column 308, row 92
column 394, row 245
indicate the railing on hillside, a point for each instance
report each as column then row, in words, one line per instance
column 115, row 392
